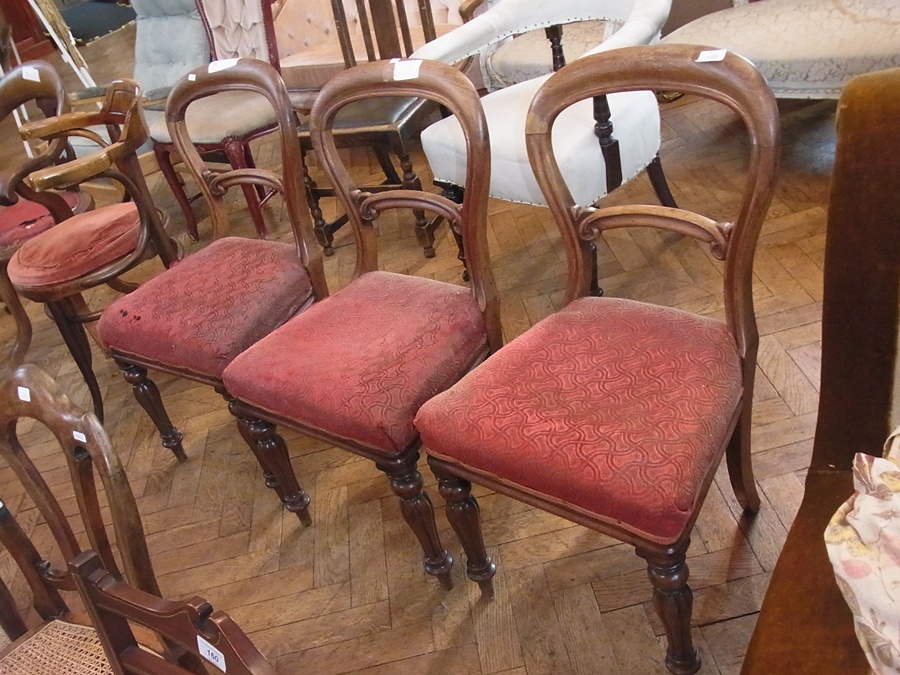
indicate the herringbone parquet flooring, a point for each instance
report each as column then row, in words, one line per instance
column 348, row 594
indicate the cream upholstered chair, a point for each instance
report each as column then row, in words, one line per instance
column 628, row 140
column 804, row 48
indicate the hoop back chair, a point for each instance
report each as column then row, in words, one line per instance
column 614, row 413
column 96, row 247
column 373, row 352
column 194, row 318
column 28, row 392
column 26, row 213
column 193, row 625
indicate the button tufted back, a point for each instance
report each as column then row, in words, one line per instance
column 237, row 28
column 159, row 62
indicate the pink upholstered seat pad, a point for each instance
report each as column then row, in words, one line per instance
column 26, row 219
column 360, row 363
column 616, row 407
column 77, row 246
column 207, row 309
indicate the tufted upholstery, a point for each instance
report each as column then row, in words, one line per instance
column 158, row 63
column 362, row 361
column 805, row 48
column 600, row 406
column 26, row 219
column 210, row 307
column 83, row 243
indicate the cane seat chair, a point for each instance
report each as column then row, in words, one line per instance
column 51, row 636
column 194, row 318
column 114, row 606
column 353, row 369
column 26, row 213
column 98, row 246
column 615, row 413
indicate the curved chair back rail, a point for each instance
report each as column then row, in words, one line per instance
column 450, row 88
column 28, row 392
column 210, row 635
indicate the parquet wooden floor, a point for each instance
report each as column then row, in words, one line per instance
column 348, row 594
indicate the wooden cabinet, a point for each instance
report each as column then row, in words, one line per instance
column 27, row 30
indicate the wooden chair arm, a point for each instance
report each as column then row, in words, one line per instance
column 79, row 170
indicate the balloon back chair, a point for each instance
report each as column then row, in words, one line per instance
column 28, row 392
column 114, row 606
column 26, row 213
column 194, row 318
column 614, row 413
column 96, row 247
column 353, row 369
column 600, row 142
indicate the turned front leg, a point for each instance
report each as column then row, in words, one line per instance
column 147, row 394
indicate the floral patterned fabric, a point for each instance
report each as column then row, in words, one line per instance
column 204, row 311
column 613, row 406
column 360, row 363
column 863, row 543
column 804, row 48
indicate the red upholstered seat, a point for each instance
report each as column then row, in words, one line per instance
column 81, row 244
column 616, row 407
column 359, row 364
column 26, row 219
column 210, row 307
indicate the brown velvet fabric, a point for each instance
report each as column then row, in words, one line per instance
column 804, row 625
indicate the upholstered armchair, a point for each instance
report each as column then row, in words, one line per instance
column 804, row 48
column 600, row 143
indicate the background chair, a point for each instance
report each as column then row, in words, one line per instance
column 27, row 213
column 28, row 392
column 194, row 318
column 211, row 636
column 159, row 63
column 353, row 369
column 804, row 48
column 377, row 29
column 804, row 625
column 96, row 247
column 599, row 143
column 614, row 413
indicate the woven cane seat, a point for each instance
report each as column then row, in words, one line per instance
column 58, row 647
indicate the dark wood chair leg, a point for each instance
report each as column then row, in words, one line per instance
column 64, row 313
column 418, row 512
column 250, row 163
column 456, row 194
column 660, row 184
column 147, row 394
column 673, row 600
column 324, row 234
column 272, row 454
column 235, row 152
column 740, row 465
column 164, row 160
column 465, row 518
column 391, row 176
column 424, row 227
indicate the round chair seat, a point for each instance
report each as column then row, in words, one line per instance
column 212, row 119
column 616, row 408
column 26, row 219
column 635, row 118
column 83, row 243
column 804, row 48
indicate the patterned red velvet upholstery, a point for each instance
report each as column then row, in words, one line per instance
column 360, row 363
column 83, row 243
column 616, row 407
column 207, row 309
column 26, row 219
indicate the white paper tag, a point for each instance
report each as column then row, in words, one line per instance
column 407, row 70
column 709, row 55
column 224, row 64
column 24, row 394
column 192, row 77
column 31, row 74
column 80, row 437
column 211, row 654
